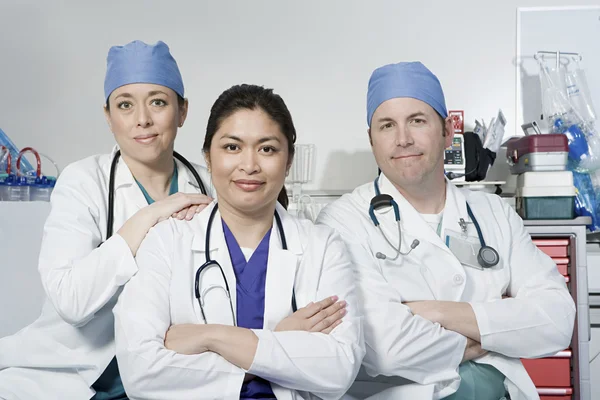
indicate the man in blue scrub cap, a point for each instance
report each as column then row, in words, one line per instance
column 443, row 318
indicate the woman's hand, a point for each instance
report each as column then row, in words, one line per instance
column 322, row 316
column 186, row 339
column 178, row 205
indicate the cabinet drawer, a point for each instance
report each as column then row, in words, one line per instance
column 562, row 264
column 555, row 393
column 550, row 372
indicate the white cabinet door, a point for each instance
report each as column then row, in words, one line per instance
column 21, row 292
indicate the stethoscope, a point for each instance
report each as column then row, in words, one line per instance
column 111, row 187
column 487, row 256
column 214, row 263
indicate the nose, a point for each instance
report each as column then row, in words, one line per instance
column 144, row 119
column 403, row 137
column 249, row 161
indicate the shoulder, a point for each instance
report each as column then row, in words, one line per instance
column 352, row 209
column 93, row 167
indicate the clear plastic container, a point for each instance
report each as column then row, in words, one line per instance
column 19, row 190
column 41, row 189
column 4, row 185
column 557, row 202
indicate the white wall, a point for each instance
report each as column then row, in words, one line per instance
column 317, row 54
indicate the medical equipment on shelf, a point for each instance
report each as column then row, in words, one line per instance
column 537, row 153
column 200, row 293
column 14, row 151
column 111, row 187
column 454, row 158
column 26, row 187
column 546, row 195
column 487, row 255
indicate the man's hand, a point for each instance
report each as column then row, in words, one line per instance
column 473, row 350
column 454, row 316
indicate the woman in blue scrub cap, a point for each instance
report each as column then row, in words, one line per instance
column 69, row 351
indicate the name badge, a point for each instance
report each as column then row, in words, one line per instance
column 465, row 248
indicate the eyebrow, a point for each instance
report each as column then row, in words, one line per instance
column 417, row 114
column 384, row 119
column 150, row 94
column 261, row 140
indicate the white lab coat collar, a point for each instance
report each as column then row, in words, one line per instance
column 412, row 222
column 217, row 237
column 281, row 266
column 124, row 179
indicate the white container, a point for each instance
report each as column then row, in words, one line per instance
column 545, row 179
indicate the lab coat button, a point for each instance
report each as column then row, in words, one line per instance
column 458, row 279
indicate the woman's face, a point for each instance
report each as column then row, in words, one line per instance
column 249, row 160
column 144, row 119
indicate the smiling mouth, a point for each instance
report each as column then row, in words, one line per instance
column 248, row 186
column 406, row 156
column 145, row 139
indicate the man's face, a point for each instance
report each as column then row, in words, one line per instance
column 408, row 138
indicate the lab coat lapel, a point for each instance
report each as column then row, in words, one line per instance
column 281, row 270
column 128, row 196
column 216, row 307
column 456, row 208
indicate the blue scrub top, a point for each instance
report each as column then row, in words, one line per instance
column 109, row 385
column 251, row 276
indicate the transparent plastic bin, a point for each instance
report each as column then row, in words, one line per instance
column 546, row 202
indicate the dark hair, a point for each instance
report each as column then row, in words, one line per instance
column 180, row 102
column 251, row 97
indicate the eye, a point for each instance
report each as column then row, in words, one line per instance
column 387, row 125
column 158, row 103
column 268, row 149
column 124, row 105
column 231, row 147
column 418, row 121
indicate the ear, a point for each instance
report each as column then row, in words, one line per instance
column 183, row 110
column 448, row 131
column 107, row 116
column 370, row 138
column 207, row 160
column 289, row 165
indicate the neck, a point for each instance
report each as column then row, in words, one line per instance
column 248, row 229
column 155, row 177
column 426, row 197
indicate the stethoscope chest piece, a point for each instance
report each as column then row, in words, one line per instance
column 488, row 257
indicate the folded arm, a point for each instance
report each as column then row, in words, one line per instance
column 398, row 343
column 537, row 319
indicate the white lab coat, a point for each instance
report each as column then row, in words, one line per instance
column 68, row 347
column 536, row 321
column 299, row 365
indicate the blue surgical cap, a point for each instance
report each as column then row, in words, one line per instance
column 138, row 62
column 405, row 79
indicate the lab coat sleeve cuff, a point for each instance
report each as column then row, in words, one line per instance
column 263, row 357
column 483, row 322
column 119, row 254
